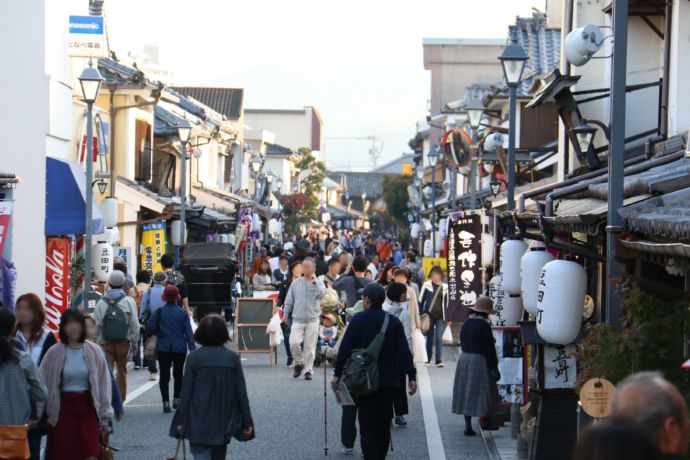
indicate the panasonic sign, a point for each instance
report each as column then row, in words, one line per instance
column 86, row 36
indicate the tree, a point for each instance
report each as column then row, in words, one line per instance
column 300, row 208
column 395, row 196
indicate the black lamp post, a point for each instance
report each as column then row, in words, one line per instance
column 433, row 156
column 475, row 110
column 184, row 130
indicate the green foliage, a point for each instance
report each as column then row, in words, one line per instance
column 300, row 208
column 395, row 196
column 651, row 338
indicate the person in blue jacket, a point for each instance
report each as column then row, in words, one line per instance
column 172, row 326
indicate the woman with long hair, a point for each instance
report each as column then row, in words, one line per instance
column 79, row 391
column 36, row 339
column 385, row 276
column 263, row 279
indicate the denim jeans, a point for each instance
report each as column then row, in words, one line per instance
column 203, row 452
column 435, row 337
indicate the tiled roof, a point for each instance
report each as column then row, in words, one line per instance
column 394, row 166
column 165, row 122
column 227, row 101
column 357, row 183
column 196, row 107
column 115, row 73
column 278, row 150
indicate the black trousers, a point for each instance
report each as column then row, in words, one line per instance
column 165, row 360
column 348, row 426
column 400, row 395
column 375, row 413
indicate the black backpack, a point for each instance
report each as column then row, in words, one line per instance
column 115, row 321
column 361, row 372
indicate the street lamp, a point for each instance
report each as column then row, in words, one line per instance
column 475, row 110
column 90, row 81
column 433, row 156
column 256, row 165
column 279, row 184
column 513, row 61
column 496, row 186
column 184, row 130
column 584, row 133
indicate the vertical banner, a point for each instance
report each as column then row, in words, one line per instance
column 464, row 266
column 57, row 280
column 5, row 215
column 152, row 246
column 126, row 254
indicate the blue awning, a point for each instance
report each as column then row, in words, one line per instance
column 66, row 199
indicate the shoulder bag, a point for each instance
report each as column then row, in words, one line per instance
column 424, row 320
column 152, row 342
column 14, row 442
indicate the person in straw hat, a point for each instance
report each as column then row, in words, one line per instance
column 474, row 391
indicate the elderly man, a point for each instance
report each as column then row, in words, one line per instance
column 649, row 400
column 303, row 305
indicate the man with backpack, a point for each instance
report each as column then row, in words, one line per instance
column 117, row 326
column 373, row 347
column 353, row 281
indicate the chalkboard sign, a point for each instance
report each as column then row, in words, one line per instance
column 251, row 318
column 254, row 311
column 252, row 339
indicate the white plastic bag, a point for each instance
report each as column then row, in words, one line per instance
column 447, row 336
column 275, row 338
column 274, row 324
column 419, row 344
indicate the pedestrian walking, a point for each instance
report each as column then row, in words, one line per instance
column 175, row 278
column 214, row 406
column 281, row 273
column 21, row 387
column 142, row 285
column 402, row 275
column 474, row 391
column 115, row 397
column 353, row 281
column 433, row 303
column 616, row 440
column 117, row 326
column 79, row 392
column 262, row 280
column 294, row 274
column 656, row 405
column 152, row 301
column 375, row 411
column 385, row 276
column 303, row 307
column 36, row 339
column 171, row 325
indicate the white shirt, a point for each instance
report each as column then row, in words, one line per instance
column 33, row 349
column 373, row 270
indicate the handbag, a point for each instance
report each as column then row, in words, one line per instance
column 14, row 442
column 152, row 342
column 107, row 451
column 419, row 345
column 424, row 319
column 181, row 446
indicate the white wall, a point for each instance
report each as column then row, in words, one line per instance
column 292, row 128
column 280, row 167
column 24, row 120
column 679, row 97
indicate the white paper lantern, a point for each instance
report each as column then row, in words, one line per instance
column 256, row 223
column 109, row 211
column 439, row 241
column 530, row 271
column 274, row 227
column 512, row 309
column 511, row 253
column 443, row 228
column 414, row 231
column 175, row 228
column 102, row 255
column 496, row 295
column 428, row 248
column 487, row 249
column 561, row 300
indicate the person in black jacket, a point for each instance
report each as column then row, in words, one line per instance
column 474, row 392
column 375, row 412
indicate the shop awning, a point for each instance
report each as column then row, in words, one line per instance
column 66, row 199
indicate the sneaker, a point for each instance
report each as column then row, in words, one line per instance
column 347, row 450
column 307, row 376
column 297, row 370
column 137, row 367
column 153, row 377
column 400, row 420
column 440, row 364
column 428, row 363
column 176, row 403
column 166, row 408
column 290, row 361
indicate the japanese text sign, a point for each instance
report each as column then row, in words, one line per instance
column 464, row 266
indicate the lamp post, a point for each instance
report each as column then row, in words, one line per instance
column 90, row 81
column 513, row 61
column 475, row 110
column 184, row 129
column 433, row 156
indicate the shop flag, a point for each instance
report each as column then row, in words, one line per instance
column 152, row 246
column 464, row 266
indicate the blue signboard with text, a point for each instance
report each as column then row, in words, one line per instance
column 86, row 36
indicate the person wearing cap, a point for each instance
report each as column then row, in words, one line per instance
column 375, row 412
column 474, row 392
column 171, row 324
column 152, row 301
column 433, row 302
column 328, row 332
column 120, row 330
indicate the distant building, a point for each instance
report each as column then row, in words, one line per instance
column 294, row 128
column 402, row 165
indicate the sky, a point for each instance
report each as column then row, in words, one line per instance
column 359, row 62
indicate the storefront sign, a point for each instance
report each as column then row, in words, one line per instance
column 464, row 266
column 5, row 215
column 596, row 396
column 152, row 246
column 560, row 366
column 85, row 36
column 126, row 254
column 57, row 280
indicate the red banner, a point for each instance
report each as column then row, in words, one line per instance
column 57, row 280
column 5, row 214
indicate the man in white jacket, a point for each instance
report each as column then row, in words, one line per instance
column 303, row 305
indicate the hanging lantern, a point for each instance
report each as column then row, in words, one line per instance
column 512, row 309
column 439, row 241
column 256, row 223
column 443, row 228
column 496, row 295
column 511, row 253
column 102, row 256
column 428, row 248
column 414, row 231
column 175, row 228
column 561, row 300
column 487, row 249
column 109, row 211
column 530, row 271
column 274, row 227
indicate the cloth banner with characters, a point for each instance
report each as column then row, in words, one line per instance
column 464, row 266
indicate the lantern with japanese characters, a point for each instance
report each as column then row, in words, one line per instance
column 511, row 253
column 561, row 300
column 496, row 295
column 530, row 271
column 428, row 248
column 512, row 309
column 414, row 231
column 102, row 255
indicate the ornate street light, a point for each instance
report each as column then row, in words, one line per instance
column 475, row 110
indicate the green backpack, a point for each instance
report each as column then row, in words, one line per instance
column 361, row 373
column 115, row 321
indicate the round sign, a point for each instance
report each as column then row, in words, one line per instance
column 458, row 147
column 589, row 307
column 596, row 396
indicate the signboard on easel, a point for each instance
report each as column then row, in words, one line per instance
column 251, row 318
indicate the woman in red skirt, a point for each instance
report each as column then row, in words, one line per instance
column 78, row 405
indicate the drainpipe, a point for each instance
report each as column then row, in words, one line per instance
column 568, row 24
column 663, row 131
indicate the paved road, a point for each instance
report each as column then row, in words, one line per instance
column 289, row 419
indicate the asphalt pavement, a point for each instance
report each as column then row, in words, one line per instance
column 289, row 418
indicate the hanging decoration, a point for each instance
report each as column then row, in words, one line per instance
column 487, row 249
column 102, row 256
column 496, row 295
column 414, row 231
column 561, row 301
column 464, row 269
column 175, row 228
column 109, row 211
column 531, row 265
column 511, row 253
